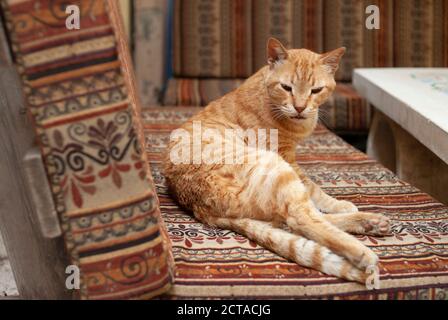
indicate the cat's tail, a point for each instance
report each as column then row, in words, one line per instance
column 293, row 247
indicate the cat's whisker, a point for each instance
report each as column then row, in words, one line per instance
column 279, row 115
column 277, row 112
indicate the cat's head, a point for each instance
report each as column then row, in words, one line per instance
column 298, row 81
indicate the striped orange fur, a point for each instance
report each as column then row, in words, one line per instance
column 255, row 198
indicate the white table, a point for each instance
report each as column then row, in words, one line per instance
column 410, row 133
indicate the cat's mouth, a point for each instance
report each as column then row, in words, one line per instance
column 299, row 117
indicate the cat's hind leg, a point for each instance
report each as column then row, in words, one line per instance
column 351, row 220
column 327, row 203
column 360, row 223
column 303, row 218
column 293, row 247
column 323, row 201
column 273, row 186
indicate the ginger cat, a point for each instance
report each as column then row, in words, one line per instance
column 255, row 198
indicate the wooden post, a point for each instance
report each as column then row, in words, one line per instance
column 38, row 263
column 413, row 162
column 419, row 166
column 2, row 249
column 381, row 141
column 5, row 53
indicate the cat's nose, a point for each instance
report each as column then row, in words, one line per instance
column 299, row 109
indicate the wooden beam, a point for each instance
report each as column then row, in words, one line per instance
column 5, row 52
column 41, row 194
column 125, row 10
column 2, row 249
column 38, row 263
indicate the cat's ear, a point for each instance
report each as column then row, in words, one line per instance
column 276, row 51
column 331, row 59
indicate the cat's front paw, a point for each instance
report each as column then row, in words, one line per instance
column 343, row 206
column 375, row 224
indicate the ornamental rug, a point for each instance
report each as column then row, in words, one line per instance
column 80, row 95
column 215, row 263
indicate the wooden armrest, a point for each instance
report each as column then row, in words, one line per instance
column 41, row 194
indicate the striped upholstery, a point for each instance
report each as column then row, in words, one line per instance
column 79, row 89
column 298, row 24
column 228, row 38
column 196, row 91
column 213, row 38
column 345, row 111
column 222, row 39
column 421, row 34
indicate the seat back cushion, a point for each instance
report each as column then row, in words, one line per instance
column 212, row 38
column 228, row 38
column 80, row 94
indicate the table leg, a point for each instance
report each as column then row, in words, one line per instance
column 380, row 143
column 419, row 166
column 400, row 152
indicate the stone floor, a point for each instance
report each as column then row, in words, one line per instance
column 7, row 283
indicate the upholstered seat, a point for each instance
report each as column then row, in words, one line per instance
column 214, row 263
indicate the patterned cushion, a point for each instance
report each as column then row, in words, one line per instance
column 79, row 89
column 421, row 37
column 215, row 263
column 298, row 24
column 228, row 38
column 344, row 25
column 197, row 92
column 206, row 45
column 345, row 111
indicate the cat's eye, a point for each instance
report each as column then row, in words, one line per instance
column 316, row 90
column 286, row 87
